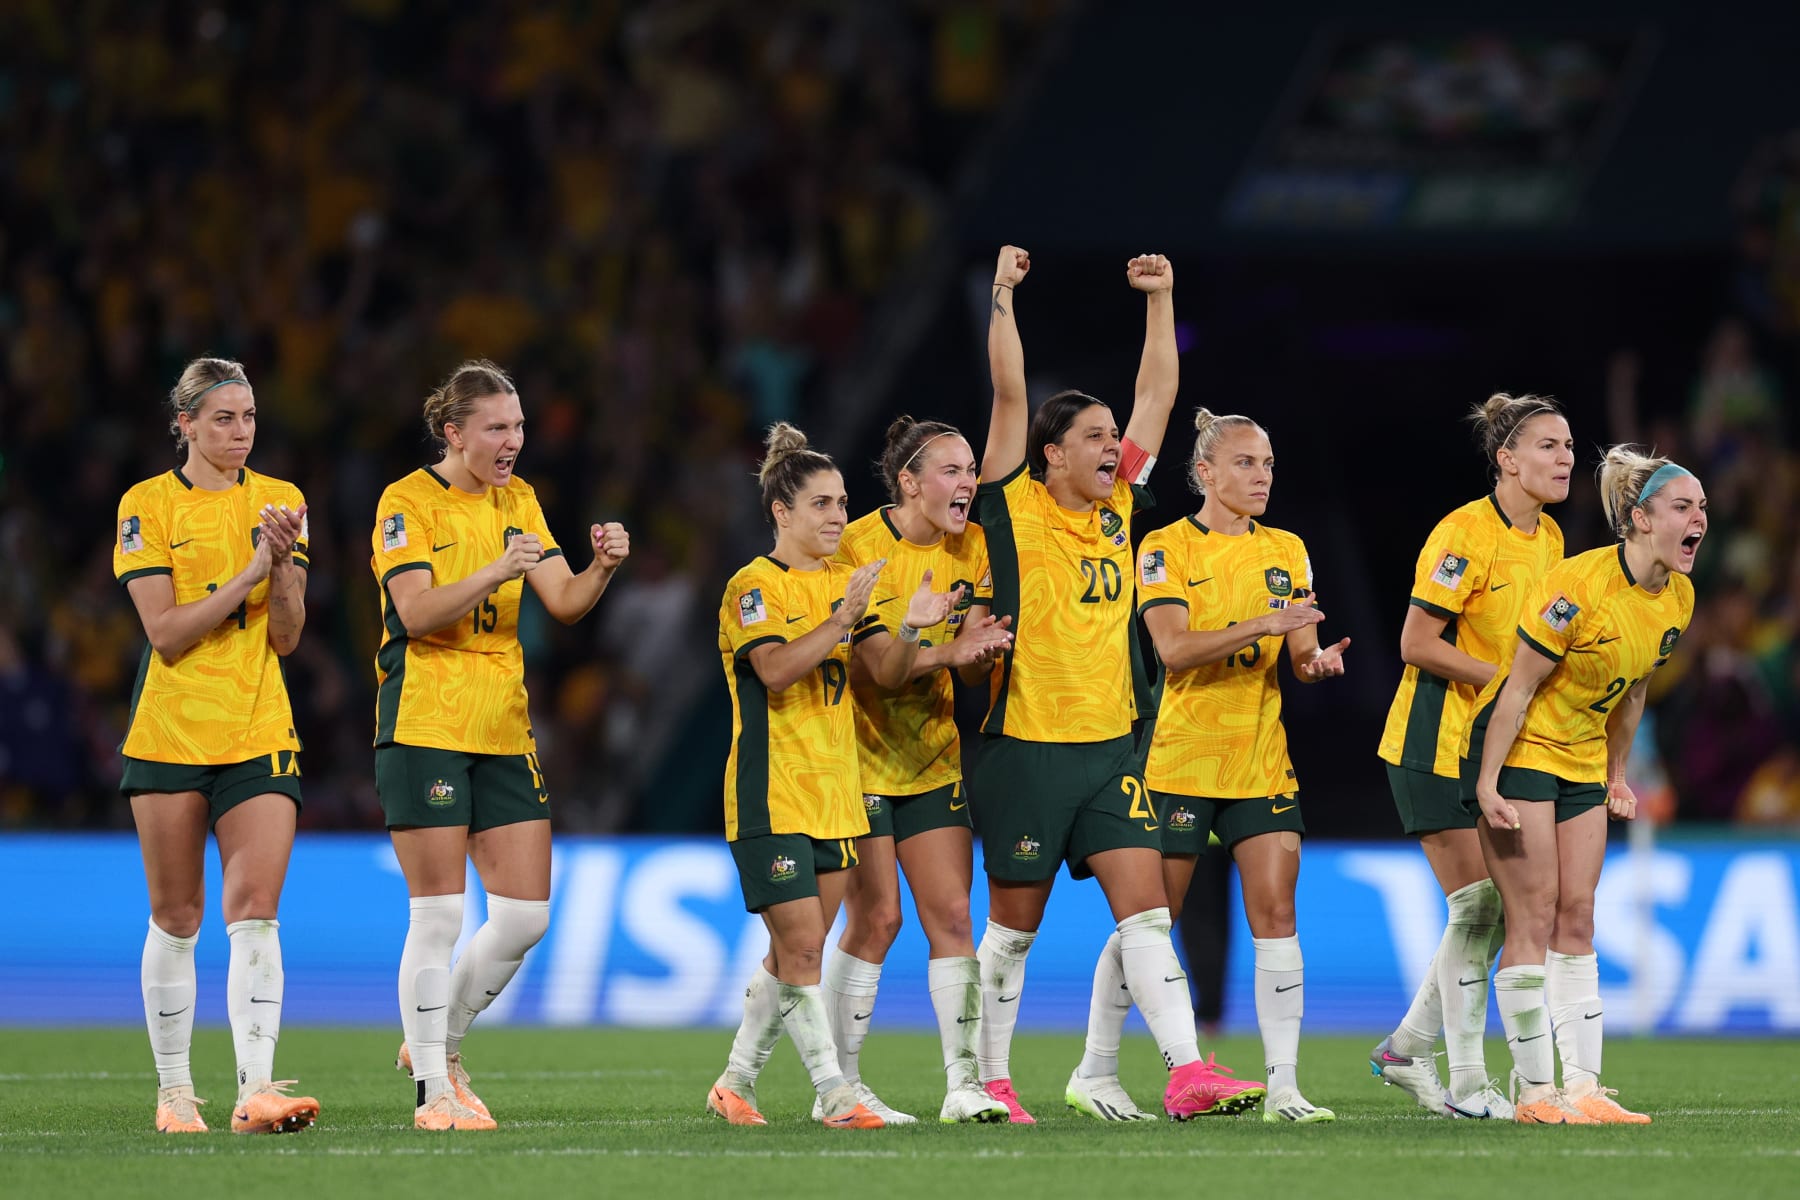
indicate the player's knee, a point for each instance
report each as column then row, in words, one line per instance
column 180, row 918
column 1272, row 918
column 947, row 927
column 520, row 923
column 1575, row 919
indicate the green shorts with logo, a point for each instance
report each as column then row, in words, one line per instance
column 1523, row 783
column 225, row 787
column 1046, row 803
column 901, row 817
column 1427, row 803
column 778, row 867
column 427, row 786
column 1187, row 820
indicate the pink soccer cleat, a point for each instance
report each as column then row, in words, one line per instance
column 1205, row 1089
column 1002, row 1090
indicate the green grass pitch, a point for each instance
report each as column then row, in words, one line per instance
column 616, row 1112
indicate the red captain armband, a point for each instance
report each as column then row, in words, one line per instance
column 1135, row 462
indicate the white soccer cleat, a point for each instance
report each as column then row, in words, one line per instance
column 1417, row 1077
column 1290, row 1107
column 872, row 1102
column 970, row 1104
column 1103, row 1098
column 1487, row 1103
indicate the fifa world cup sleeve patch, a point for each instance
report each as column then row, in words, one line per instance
column 1450, row 570
column 1560, row 613
column 1151, row 569
column 751, row 609
column 393, row 531
column 131, row 535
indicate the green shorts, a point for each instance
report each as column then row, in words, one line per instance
column 777, row 867
column 225, row 787
column 1428, row 803
column 1188, row 819
column 426, row 786
column 1142, row 730
column 901, row 817
column 1523, row 783
column 1046, row 803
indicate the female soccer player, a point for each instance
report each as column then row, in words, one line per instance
column 456, row 765
column 214, row 558
column 911, row 761
column 1221, row 593
column 1547, row 753
column 793, row 800
column 1057, row 780
column 1474, row 575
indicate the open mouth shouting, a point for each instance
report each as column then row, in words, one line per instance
column 1108, row 472
column 1689, row 545
column 959, row 509
column 503, row 467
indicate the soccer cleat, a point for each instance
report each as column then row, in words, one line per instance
column 269, row 1109
column 1205, row 1089
column 970, row 1104
column 872, row 1102
column 1002, row 1090
column 1601, row 1107
column 844, row 1109
column 1417, row 1077
column 1103, row 1098
column 735, row 1102
column 1553, row 1109
column 178, row 1111
column 459, row 1078
column 1488, row 1103
column 1293, row 1108
column 444, row 1112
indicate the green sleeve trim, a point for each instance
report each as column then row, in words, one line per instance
column 999, row 485
column 767, row 639
column 1548, row 653
column 1142, row 497
column 404, row 567
column 141, row 572
column 1147, row 605
column 1434, row 609
column 868, row 631
column 553, row 552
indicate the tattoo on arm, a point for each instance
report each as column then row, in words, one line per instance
column 999, row 310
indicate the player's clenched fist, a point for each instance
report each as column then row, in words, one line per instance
column 1013, row 266
column 612, row 544
column 523, row 552
column 1150, row 273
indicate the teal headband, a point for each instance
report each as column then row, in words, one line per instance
column 222, row 383
column 1658, row 478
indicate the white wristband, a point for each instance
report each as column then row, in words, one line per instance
column 907, row 633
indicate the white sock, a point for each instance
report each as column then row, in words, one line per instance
column 1002, row 956
column 1462, row 975
column 1416, row 1035
column 955, row 985
column 1520, row 993
column 253, row 994
column 1280, row 1003
column 167, row 978
column 1572, row 993
column 1158, row 985
column 758, row 1031
column 490, row 960
column 803, row 1016
column 849, row 988
column 1108, row 1007
column 425, row 988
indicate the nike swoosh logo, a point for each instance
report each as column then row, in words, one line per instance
column 255, row 1000
column 433, row 1008
column 180, row 544
column 1534, row 1037
column 966, row 1020
column 959, row 807
column 1198, row 582
column 1009, row 999
column 789, row 1009
column 445, row 546
column 492, row 993
column 1603, row 641
column 801, row 617
column 861, row 1016
column 889, row 600
column 1290, row 987
column 1499, row 586
column 1461, row 982
column 1173, row 978
column 1592, row 1016
column 1279, row 811
column 176, row 1013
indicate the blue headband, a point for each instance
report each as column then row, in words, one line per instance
column 222, row 383
column 1658, row 478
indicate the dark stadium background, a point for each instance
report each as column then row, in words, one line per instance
column 674, row 222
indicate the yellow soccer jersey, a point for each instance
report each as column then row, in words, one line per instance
column 1606, row 635
column 1219, row 731
column 906, row 739
column 461, row 687
column 792, row 767
column 224, row 699
column 1065, row 579
column 1476, row 571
